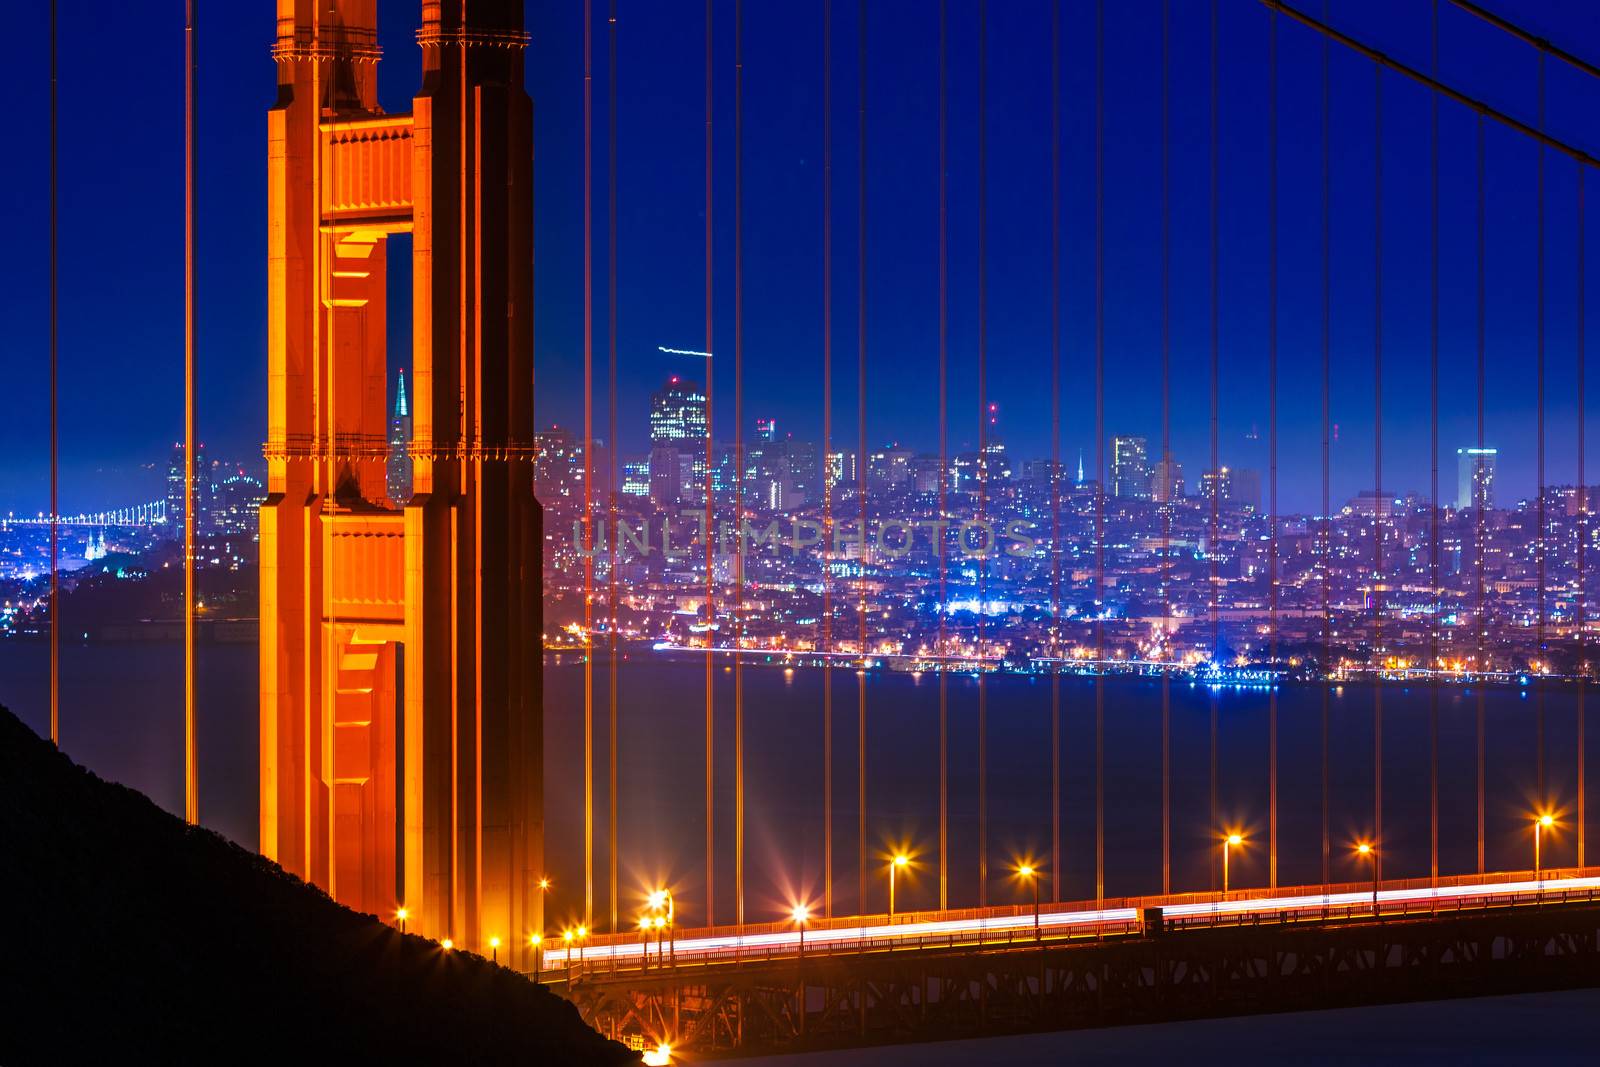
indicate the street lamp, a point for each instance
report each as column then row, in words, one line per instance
column 900, row 862
column 1365, row 849
column 1540, row 825
column 447, row 944
column 800, row 914
column 1227, row 846
column 645, row 926
column 661, row 903
column 1031, row 873
column 536, row 942
column 402, row 914
column 567, row 936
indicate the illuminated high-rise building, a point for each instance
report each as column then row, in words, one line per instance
column 1166, row 484
column 678, row 415
column 1216, row 485
column 1130, row 468
column 677, row 431
column 398, row 473
column 558, row 467
column 203, row 492
column 1475, row 477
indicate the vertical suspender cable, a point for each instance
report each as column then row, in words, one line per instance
column 738, row 456
column 1377, row 465
column 588, row 464
column 828, row 479
column 1479, row 496
column 611, row 436
column 1165, row 469
column 55, row 406
column 1055, row 448
column 1583, row 539
column 1216, row 475
column 1325, row 526
column 191, row 757
column 944, row 478
column 1433, row 509
column 861, row 445
column 983, row 424
column 1539, row 541
column 711, row 616
column 1272, row 449
column 1099, row 449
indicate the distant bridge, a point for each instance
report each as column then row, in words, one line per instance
column 135, row 515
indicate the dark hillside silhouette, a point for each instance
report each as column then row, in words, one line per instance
column 131, row 937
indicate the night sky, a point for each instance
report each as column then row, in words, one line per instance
column 121, row 229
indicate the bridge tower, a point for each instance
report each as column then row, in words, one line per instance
column 401, row 721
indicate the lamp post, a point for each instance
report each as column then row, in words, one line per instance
column 536, row 942
column 494, row 950
column 402, row 914
column 900, row 862
column 1366, row 849
column 567, row 936
column 1031, row 873
column 662, row 904
column 1227, row 846
column 1540, row 825
column 800, row 914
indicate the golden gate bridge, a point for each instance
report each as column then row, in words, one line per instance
column 349, row 176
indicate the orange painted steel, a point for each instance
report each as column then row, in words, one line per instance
column 401, row 720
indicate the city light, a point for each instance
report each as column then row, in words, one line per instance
column 1229, row 843
column 1366, row 850
column 899, row 863
column 1030, row 874
column 1544, row 822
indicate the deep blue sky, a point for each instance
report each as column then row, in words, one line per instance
column 121, row 236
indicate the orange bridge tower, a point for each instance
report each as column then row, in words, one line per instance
column 401, row 723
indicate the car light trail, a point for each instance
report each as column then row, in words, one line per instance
column 884, row 934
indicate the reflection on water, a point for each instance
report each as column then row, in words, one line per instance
column 122, row 716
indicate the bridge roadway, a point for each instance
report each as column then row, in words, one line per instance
column 1005, row 925
column 928, row 976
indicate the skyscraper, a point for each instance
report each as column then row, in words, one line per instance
column 202, row 492
column 398, row 472
column 1130, row 468
column 1475, row 477
column 1216, row 485
column 1244, row 488
column 1167, row 482
column 677, row 431
column 678, row 415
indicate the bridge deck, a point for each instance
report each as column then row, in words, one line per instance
column 1002, row 926
column 1507, row 936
